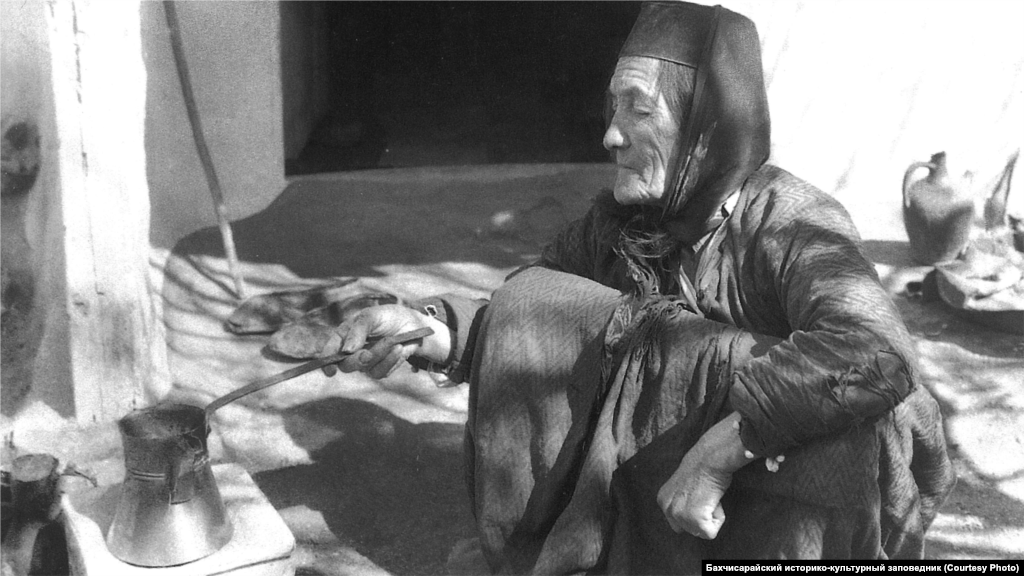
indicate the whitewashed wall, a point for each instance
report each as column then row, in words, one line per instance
column 233, row 51
column 858, row 90
column 31, row 252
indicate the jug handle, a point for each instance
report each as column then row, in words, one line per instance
column 910, row 172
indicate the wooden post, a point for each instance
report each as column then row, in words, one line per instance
column 97, row 353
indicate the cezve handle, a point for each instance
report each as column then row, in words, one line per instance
column 383, row 343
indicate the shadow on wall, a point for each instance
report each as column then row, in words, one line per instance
column 19, row 167
column 392, row 490
column 19, row 157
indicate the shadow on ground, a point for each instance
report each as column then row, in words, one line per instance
column 975, row 373
column 887, row 252
column 978, row 520
column 392, row 490
column 936, row 322
column 352, row 224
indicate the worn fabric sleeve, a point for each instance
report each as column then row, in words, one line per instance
column 847, row 357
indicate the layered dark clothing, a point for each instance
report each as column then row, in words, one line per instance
column 584, row 398
column 593, row 372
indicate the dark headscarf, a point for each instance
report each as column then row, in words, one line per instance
column 726, row 135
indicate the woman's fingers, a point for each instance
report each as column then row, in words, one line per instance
column 378, row 326
column 376, row 363
column 356, row 362
column 697, row 520
column 382, row 358
column 382, row 366
column 691, row 499
column 714, row 524
column 355, row 333
column 353, row 338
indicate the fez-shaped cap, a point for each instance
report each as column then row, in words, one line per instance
column 726, row 133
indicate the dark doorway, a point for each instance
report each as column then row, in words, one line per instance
column 394, row 84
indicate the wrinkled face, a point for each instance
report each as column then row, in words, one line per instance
column 643, row 133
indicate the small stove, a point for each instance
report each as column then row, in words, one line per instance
column 261, row 544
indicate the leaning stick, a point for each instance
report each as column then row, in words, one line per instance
column 204, row 152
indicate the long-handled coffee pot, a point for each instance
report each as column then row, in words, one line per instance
column 170, row 511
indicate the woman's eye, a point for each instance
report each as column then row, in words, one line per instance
column 641, row 107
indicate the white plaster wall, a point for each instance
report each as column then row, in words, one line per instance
column 32, row 247
column 859, row 90
column 233, row 53
column 25, row 94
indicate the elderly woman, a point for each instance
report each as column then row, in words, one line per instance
column 703, row 366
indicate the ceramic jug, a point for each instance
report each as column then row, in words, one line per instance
column 936, row 214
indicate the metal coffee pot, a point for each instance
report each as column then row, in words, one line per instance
column 170, row 511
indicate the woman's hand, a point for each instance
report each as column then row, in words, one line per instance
column 388, row 320
column 691, row 498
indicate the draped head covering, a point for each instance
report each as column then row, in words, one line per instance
column 726, row 134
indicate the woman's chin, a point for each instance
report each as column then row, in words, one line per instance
column 629, row 196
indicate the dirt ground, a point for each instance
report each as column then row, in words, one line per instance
column 368, row 475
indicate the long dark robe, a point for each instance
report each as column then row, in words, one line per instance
column 584, row 397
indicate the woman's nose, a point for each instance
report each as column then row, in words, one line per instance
column 614, row 137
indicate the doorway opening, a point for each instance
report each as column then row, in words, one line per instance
column 399, row 84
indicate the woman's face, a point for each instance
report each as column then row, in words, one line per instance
column 643, row 133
